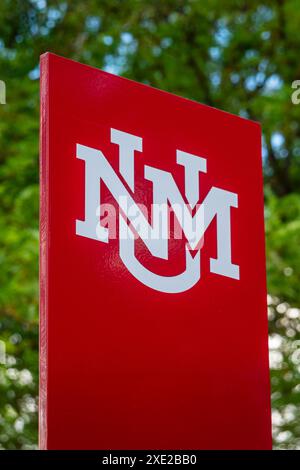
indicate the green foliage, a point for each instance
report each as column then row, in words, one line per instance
column 283, row 261
column 236, row 55
column 283, row 235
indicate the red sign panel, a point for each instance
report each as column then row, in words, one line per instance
column 153, row 293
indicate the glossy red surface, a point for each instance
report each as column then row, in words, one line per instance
column 124, row 366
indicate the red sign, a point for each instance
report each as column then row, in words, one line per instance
column 153, row 293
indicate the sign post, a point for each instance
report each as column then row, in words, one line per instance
column 153, row 294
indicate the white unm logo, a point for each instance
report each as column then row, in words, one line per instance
column 194, row 218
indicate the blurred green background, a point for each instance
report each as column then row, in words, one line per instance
column 239, row 56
